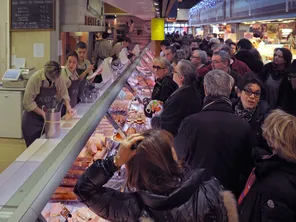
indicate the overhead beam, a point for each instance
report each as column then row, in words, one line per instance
column 169, row 8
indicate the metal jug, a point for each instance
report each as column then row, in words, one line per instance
column 52, row 123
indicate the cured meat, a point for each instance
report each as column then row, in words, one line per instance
column 75, row 174
column 68, row 182
column 62, row 190
column 82, row 164
column 84, row 154
column 91, row 147
column 85, row 214
column 64, row 196
column 56, row 209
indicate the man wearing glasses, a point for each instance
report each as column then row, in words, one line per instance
column 221, row 61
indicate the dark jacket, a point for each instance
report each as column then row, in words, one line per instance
column 273, row 196
column 182, row 103
column 267, row 70
column 204, row 70
column 256, row 122
column 289, row 103
column 164, row 88
column 250, row 60
column 220, row 142
column 195, row 200
column 239, row 67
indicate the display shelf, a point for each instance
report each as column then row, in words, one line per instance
column 127, row 104
column 31, row 194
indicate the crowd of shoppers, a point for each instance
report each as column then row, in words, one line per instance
column 225, row 132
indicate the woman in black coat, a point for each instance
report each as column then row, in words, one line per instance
column 289, row 104
column 164, row 83
column 275, row 77
column 163, row 190
column 270, row 193
column 183, row 102
column 252, row 109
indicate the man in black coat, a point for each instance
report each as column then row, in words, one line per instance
column 216, row 139
column 184, row 102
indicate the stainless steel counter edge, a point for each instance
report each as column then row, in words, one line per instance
column 30, row 199
column 12, row 89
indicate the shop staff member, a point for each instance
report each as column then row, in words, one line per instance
column 71, row 77
column 42, row 88
column 84, row 67
column 119, row 46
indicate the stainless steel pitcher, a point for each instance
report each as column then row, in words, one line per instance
column 52, row 123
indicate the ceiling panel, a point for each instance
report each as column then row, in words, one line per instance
column 142, row 9
column 187, row 4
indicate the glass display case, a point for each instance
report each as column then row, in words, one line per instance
column 39, row 184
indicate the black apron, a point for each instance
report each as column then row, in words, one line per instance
column 82, row 82
column 32, row 123
column 73, row 91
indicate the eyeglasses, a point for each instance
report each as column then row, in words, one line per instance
column 250, row 92
column 215, row 62
column 157, row 67
column 194, row 57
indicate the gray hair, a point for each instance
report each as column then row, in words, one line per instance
column 218, row 83
column 52, row 70
column 187, row 50
column 188, row 71
column 166, row 64
column 216, row 47
column 214, row 41
column 202, row 55
column 225, row 57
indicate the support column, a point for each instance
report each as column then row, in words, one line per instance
column 157, row 34
column 155, row 47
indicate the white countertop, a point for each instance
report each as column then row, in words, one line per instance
column 12, row 89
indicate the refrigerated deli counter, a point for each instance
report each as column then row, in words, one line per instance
column 38, row 186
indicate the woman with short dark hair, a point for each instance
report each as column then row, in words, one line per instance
column 252, row 108
column 164, row 190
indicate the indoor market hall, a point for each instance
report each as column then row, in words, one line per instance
column 148, row 111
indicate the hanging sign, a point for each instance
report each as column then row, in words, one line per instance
column 157, row 29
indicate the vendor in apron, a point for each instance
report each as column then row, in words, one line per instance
column 71, row 78
column 43, row 88
column 84, row 67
